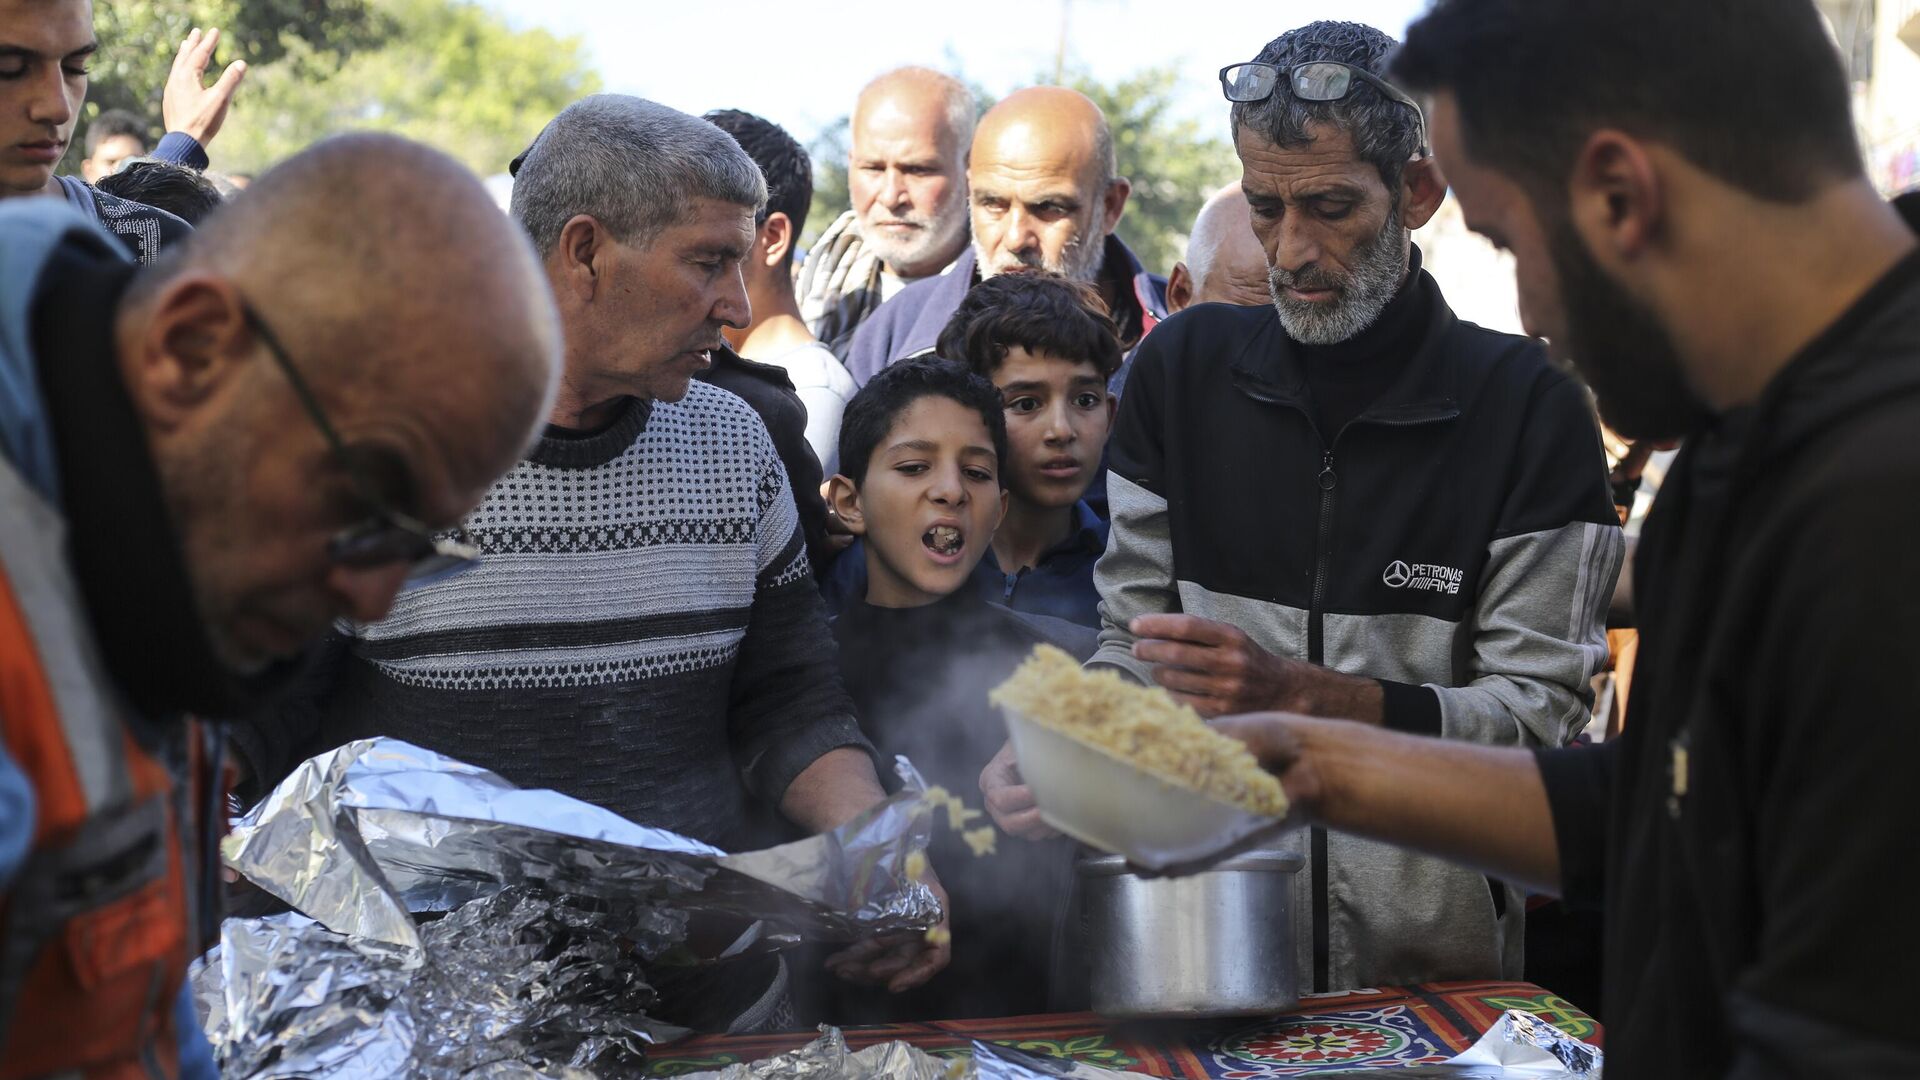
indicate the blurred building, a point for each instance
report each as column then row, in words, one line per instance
column 1881, row 42
column 1474, row 276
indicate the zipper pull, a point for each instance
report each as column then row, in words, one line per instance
column 1327, row 479
column 1679, row 771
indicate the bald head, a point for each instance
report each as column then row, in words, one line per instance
column 387, row 268
column 381, row 275
column 1048, row 123
column 919, row 93
column 906, row 168
column 1225, row 263
column 1046, row 193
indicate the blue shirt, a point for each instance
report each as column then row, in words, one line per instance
column 1061, row 586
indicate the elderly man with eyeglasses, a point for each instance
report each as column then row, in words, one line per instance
column 187, row 501
column 1351, row 504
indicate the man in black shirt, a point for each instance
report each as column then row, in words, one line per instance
column 1694, row 228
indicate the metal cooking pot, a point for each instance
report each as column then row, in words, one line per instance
column 1214, row 943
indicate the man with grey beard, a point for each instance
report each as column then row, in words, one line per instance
column 1047, row 194
column 1351, row 504
column 907, row 178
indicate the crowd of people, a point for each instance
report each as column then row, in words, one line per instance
column 626, row 494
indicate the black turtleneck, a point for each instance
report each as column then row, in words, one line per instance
column 125, row 554
column 1347, row 376
column 592, row 447
column 919, row 679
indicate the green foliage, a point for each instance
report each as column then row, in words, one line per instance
column 139, row 38
column 1174, row 163
column 446, row 72
column 831, row 197
column 450, row 74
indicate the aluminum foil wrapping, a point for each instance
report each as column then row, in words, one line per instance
column 361, row 837
column 555, row 909
column 1521, row 1040
column 285, row 996
column 827, row 1058
column 1519, row 1046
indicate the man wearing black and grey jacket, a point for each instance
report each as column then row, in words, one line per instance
column 1351, row 504
column 1697, row 230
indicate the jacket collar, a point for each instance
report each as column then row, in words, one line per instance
column 1269, row 368
column 1835, row 378
column 1148, row 290
column 1089, row 537
column 122, row 542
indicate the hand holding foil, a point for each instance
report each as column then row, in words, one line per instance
column 557, row 908
column 361, row 837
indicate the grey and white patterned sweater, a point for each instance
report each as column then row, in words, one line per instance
column 642, row 632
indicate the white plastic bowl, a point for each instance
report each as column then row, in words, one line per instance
column 1102, row 799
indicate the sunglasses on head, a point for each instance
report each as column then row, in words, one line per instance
column 386, row 536
column 1317, row 80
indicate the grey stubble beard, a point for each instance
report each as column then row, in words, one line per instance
column 1364, row 292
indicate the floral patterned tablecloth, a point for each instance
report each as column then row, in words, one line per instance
column 1386, row 1027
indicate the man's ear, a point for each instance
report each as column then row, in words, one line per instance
column 580, row 256
column 1179, row 288
column 1614, row 197
column 195, row 341
column 843, row 498
column 1006, row 500
column 1422, row 190
column 776, row 239
column 1113, row 203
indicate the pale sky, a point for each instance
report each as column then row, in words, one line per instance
column 800, row 64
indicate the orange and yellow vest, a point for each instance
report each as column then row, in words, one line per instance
column 99, row 922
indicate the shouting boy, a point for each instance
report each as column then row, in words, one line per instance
column 1049, row 347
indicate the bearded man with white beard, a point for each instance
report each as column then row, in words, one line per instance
column 1350, row 504
column 1046, row 194
column 907, row 178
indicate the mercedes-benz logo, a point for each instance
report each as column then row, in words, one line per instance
column 1397, row 575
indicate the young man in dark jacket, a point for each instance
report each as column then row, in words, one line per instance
column 1350, row 503
column 1695, row 229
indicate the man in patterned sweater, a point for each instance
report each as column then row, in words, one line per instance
column 643, row 631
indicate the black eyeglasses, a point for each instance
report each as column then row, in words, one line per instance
column 387, row 536
column 1318, row 80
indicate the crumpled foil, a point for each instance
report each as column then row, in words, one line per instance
column 827, row 1058
column 1521, row 1040
column 553, row 908
column 288, row 997
column 1519, row 1046
column 361, row 837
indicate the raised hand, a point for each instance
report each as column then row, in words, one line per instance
column 191, row 106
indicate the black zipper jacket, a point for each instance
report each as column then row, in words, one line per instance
column 1455, row 540
column 1750, row 833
